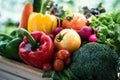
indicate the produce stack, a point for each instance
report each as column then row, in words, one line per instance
column 64, row 44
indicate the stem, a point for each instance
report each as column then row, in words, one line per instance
column 14, row 33
column 37, row 5
column 59, row 25
column 6, row 36
column 60, row 37
column 29, row 37
column 73, row 76
column 42, row 4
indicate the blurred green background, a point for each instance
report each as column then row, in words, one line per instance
column 11, row 10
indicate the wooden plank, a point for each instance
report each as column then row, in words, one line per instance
column 21, row 69
column 8, row 76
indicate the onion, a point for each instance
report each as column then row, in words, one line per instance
column 57, row 30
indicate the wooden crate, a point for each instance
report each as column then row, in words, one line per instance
column 13, row 70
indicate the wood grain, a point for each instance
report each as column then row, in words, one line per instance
column 21, row 69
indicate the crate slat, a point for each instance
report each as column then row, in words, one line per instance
column 21, row 69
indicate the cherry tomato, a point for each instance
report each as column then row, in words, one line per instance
column 63, row 54
column 58, row 65
column 47, row 67
column 68, row 61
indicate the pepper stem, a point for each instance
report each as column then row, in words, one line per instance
column 29, row 37
column 6, row 36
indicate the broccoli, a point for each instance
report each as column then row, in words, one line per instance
column 94, row 61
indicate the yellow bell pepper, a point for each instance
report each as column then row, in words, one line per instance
column 39, row 22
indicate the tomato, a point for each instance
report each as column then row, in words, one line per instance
column 47, row 67
column 67, row 39
column 68, row 61
column 58, row 65
column 75, row 21
column 63, row 54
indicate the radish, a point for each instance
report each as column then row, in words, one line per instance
column 85, row 32
column 95, row 30
column 92, row 38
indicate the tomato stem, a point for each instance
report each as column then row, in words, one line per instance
column 60, row 37
column 69, row 18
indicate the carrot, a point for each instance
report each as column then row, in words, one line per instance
column 27, row 10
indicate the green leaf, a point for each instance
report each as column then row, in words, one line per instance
column 56, row 76
column 118, row 33
column 48, row 74
column 118, row 19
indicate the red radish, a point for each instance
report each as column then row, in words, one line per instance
column 85, row 32
column 57, row 30
column 95, row 30
column 92, row 38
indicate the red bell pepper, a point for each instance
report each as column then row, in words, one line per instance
column 36, row 49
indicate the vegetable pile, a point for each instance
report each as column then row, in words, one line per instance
column 64, row 44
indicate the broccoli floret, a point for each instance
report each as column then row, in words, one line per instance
column 94, row 61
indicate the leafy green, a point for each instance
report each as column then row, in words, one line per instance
column 66, row 74
column 108, row 25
